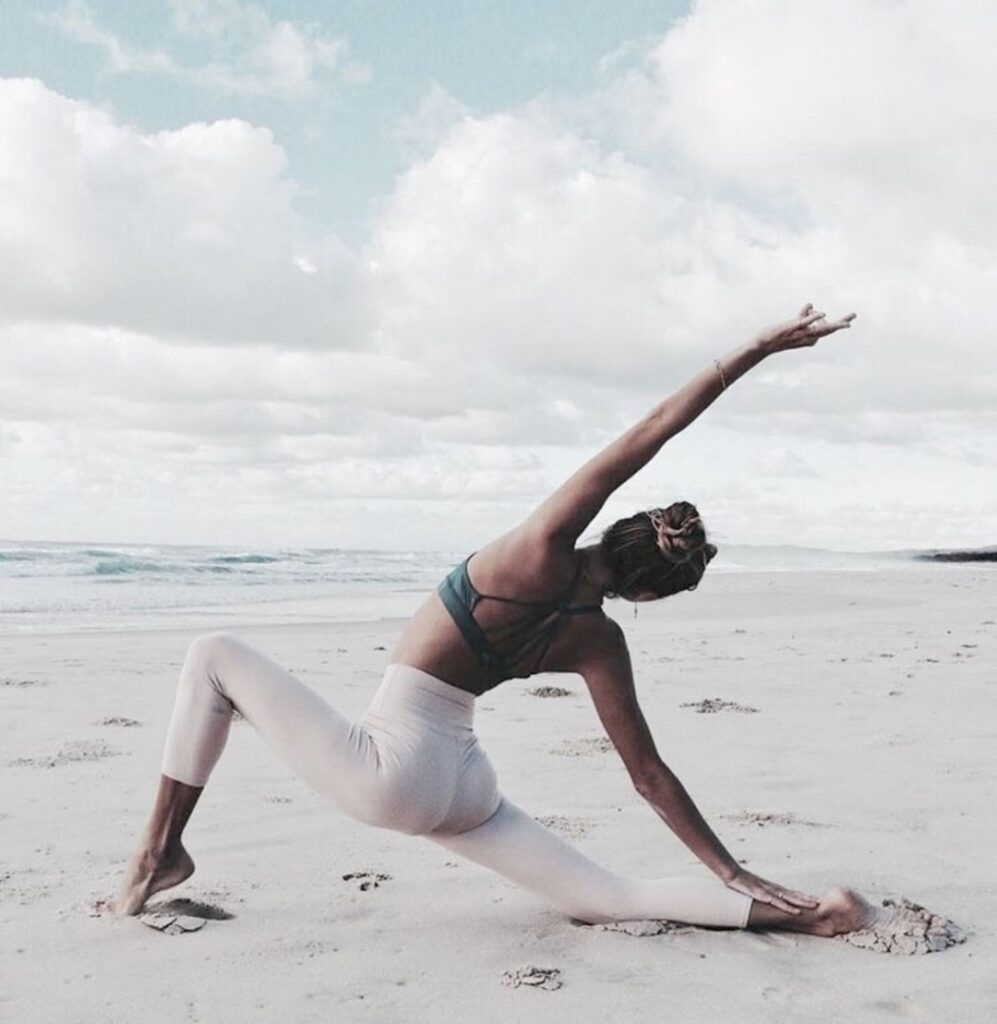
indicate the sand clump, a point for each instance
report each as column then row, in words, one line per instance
column 713, row 705
column 643, row 929
column 548, row 978
column 904, row 928
column 549, row 691
column 172, row 924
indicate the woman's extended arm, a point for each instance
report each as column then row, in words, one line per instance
column 569, row 510
column 604, row 663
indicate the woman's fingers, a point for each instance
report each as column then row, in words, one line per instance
column 768, row 893
column 777, row 901
column 808, row 318
column 808, row 315
column 790, row 901
column 793, row 900
column 801, row 899
column 808, row 330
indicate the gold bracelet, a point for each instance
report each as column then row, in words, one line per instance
column 723, row 378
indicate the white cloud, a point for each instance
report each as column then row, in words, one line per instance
column 189, row 234
column 251, row 54
column 424, row 129
column 534, row 280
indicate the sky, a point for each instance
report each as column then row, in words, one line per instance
column 382, row 275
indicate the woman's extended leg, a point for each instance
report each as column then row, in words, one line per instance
column 517, row 846
column 221, row 673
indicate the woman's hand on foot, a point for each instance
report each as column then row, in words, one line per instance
column 764, row 891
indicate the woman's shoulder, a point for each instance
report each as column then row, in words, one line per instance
column 523, row 560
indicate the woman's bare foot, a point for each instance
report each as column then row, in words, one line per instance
column 841, row 910
column 898, row 926
column 150, row 872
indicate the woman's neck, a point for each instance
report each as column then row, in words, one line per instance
column 596, row 569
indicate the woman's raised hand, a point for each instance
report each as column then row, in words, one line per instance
column 803, row 330
column 765, row 891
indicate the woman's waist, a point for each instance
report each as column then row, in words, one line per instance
column 405, row 687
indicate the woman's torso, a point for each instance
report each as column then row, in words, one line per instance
column 517, row 570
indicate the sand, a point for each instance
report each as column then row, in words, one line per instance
column 867, row 760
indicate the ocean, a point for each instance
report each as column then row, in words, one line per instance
column 48, row 587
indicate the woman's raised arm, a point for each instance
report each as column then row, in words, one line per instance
column 568, row 511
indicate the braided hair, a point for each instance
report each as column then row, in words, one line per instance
column 663, row 550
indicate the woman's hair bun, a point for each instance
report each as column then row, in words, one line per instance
column 679, row 530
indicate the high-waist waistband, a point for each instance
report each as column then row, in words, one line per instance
column 409, row 687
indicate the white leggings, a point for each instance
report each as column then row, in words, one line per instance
column 412, row 763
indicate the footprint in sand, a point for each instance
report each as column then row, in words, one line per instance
column 74, row 750
column 125, row 723
column 20, row 887
column 11, row 681
column 548, row 978
column 574, row 828
column 711, row 705
column 367, row 879
column 905, row 928
column 585, row 747
column 549, row 691
column 177, row 916
column 761, row 819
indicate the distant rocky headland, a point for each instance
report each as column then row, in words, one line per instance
column 979, row 555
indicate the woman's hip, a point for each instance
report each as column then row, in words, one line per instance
column 431, row 772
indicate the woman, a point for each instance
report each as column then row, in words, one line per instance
column 529, row 601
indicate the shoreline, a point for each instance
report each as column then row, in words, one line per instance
column 212, row 621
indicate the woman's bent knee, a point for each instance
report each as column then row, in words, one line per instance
column 206, row 648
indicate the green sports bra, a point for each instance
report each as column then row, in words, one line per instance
column 517, row 649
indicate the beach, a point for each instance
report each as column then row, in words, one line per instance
column 834, row 727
